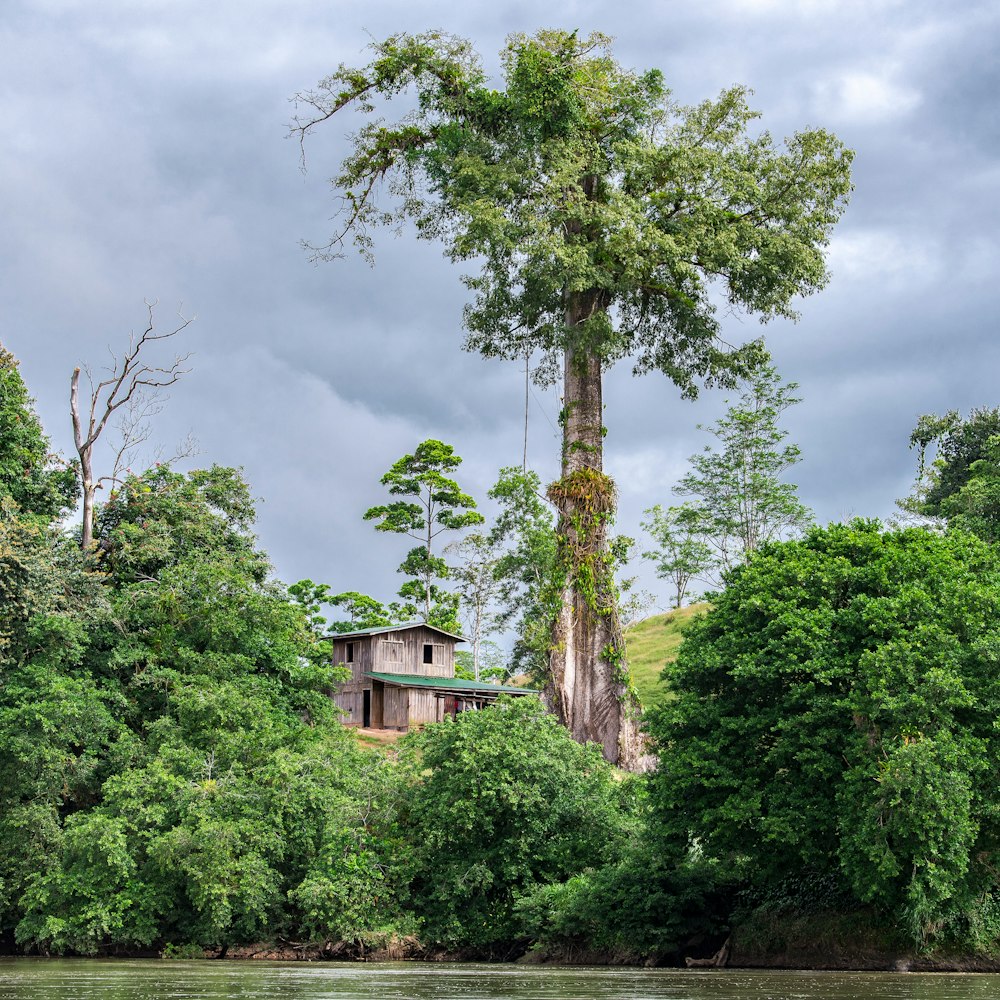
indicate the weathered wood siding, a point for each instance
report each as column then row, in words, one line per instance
column 423, row 707
column 351, row 705
column 349, row 696
column 403, row 653
column 395, row 707
column 363, row 656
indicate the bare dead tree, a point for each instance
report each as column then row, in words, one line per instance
column 136, row 389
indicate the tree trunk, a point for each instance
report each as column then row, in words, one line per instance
column 588, row 685
column 89, row 492
column 84, row 441
column 429, row 504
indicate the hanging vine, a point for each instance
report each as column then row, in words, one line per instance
column 586, row 501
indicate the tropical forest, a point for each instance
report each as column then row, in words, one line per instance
column 797, row 765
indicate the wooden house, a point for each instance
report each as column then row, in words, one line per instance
column 404, row 675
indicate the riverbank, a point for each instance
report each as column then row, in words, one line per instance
column 842, row 942
column 797, row 949
column 793, row 959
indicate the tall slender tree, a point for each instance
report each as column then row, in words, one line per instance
column 683, row 552
column 527, row 573
column 602, row 216
column 475, row 576
column 739, row 497
column 436, row 504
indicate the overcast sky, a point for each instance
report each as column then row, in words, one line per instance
column 143, row 156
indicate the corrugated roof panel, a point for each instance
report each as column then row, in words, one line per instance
column 394, row 628
column 448, row 684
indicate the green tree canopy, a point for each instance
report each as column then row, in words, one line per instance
column 58, row 727
column 61, row 729
column 29, row 474
column 178, row 753
column 582, row 177
column 162, row 517
column 364, row 611
column 835, row 711
column 962, row 483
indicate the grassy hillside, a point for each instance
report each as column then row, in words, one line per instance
column 651, row 643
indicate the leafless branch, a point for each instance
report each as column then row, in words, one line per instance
column 130, row 383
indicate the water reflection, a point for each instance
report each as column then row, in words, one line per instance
column 36, row 979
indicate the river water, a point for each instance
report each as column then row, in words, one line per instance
column 45, row 979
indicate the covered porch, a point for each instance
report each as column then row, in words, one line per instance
column 398, row 701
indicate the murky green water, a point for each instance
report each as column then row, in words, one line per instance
column 29, row 979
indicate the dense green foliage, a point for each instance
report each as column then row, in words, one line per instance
column 173, row 771
column 29, row 475
column 511, row 802
column 835, row 712
column 169, row 742
column 962, row 484
column 645, row 902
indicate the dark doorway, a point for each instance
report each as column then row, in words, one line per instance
column 366, row 711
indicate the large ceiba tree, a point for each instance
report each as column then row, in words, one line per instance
column 605, row 222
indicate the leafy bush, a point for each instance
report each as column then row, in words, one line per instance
column 836, row 709
column 503, row 801
column 638, row 906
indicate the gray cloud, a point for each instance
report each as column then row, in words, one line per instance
column 145, row 155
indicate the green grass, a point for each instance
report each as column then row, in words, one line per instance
column 651, row 644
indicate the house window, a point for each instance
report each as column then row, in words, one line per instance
column 350, row 653
column 392, row 651
column 433, row 653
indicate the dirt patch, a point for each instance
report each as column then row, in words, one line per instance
column 378, row 735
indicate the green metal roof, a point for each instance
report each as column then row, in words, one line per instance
column 448, row 684
column 394, row 628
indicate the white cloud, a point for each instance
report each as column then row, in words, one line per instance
column 882, row 256
column 865, row 97
column 647, row 473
